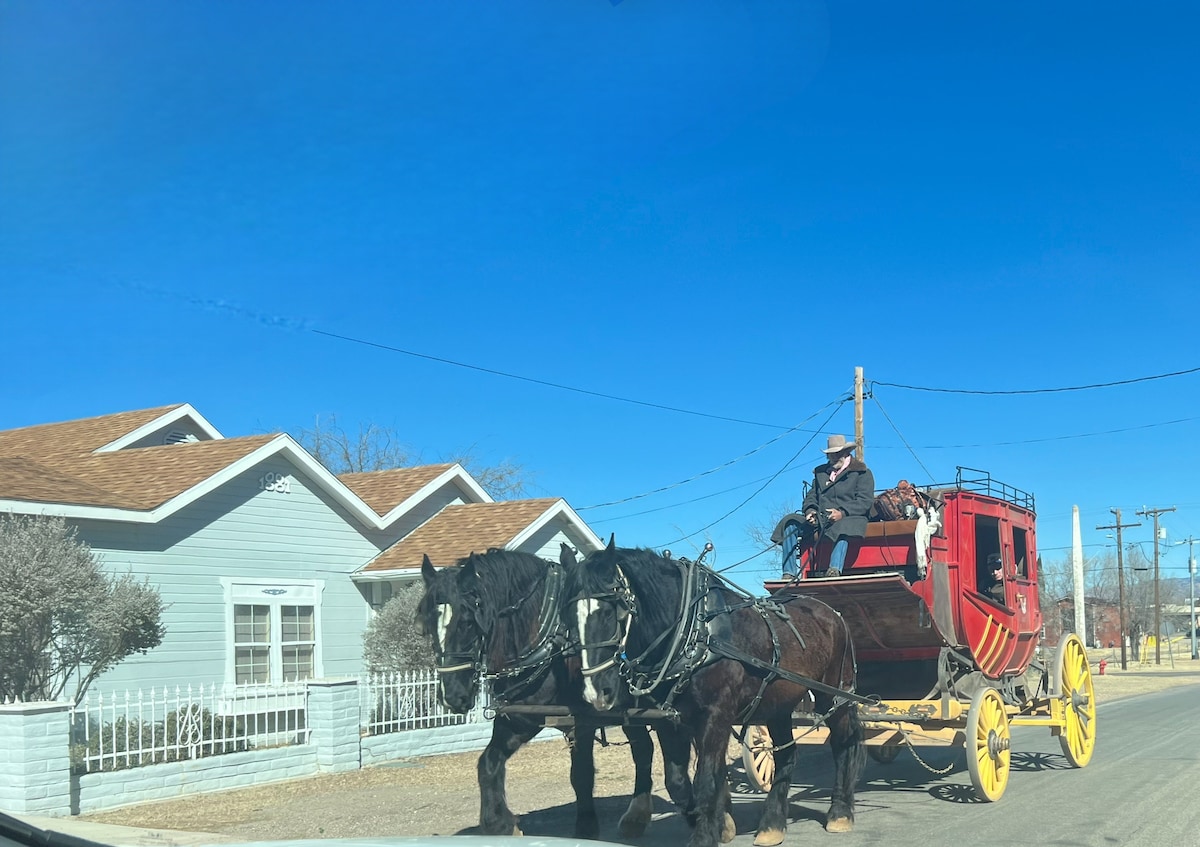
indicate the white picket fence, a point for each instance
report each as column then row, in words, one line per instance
column 118, row 730
column 115, row 731
column 393, row 702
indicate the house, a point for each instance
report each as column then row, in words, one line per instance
column 268, row 564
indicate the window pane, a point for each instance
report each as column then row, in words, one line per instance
column 298, row 624
column 252, row 665
column 297, row 663
column 251, row 624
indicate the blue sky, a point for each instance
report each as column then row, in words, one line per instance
column 715, row 210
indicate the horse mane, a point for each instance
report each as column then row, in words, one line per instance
column 506, row 587
column 655, row 582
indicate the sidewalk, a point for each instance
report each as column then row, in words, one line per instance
column 122, row 836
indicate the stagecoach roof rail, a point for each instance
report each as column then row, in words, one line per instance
column 981, row 482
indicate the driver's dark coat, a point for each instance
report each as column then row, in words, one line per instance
column 852, row 493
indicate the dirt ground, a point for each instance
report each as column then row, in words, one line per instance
column 438, row 795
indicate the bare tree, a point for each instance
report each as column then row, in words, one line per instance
column 393, row 640
column 61, row 617
column 375, row 448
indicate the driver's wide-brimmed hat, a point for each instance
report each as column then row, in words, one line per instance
column 838, row 443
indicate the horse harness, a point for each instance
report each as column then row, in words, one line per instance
column 703, row 636
column 551, row 641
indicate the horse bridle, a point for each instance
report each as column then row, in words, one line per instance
column 548, row 644
column 621, row 595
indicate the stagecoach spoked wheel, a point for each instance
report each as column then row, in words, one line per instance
column 1072, row 683
column 758, row 758
column 988, row 741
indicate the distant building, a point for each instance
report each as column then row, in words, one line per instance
column 1102, row 622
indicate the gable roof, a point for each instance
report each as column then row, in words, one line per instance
column 89, row 468
column 139, row 479
column 71, row 438
column 458, row 531
column 387, row 489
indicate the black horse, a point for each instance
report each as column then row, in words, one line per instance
column 675, row 632
column 499, row 611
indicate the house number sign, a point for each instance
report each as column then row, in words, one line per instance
column 277, row 482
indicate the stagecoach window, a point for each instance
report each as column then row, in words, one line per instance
column 1021, row 552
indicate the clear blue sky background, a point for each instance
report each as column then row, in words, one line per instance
column 720, row 208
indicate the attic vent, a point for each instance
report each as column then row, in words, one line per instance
column 178, row 436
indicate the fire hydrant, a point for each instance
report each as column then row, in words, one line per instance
column 1103, row 665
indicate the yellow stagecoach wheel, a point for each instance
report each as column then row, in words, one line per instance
column 758, row 757
column 1072, row 682
column 988, row 740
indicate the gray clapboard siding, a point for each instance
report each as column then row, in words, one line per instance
column 238, row 532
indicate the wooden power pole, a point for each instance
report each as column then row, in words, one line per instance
column 861, row 448
column 1144, row 512
column 1118, row 526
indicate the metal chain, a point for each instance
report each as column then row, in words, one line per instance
column 912, row 748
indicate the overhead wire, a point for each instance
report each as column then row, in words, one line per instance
column 797, row 428
column 761, row 488
column 560, row 386
column 1087, row 387
column 900, row 435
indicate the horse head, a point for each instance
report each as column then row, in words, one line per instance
column 600, row 609
column 450, row 617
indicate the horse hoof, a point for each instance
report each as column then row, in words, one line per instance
column 729, row 829
column 517, row 831
column 634, row 822
column 768, row 838
column 839, row 825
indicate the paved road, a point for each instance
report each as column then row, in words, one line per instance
column 1140, row 790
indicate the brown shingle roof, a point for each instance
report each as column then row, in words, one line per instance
column 54, row 463
column 458, row 531
column 385, row 490
column 74, row 437
column 150, row 476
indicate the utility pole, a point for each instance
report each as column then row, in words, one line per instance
column 860, row 448
column 1144, row 512
column 1118, row 526
column 1192, row 579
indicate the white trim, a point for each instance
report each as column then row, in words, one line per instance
column 457, row 474
column 560, row 509
column 308, row 592
column 177, row 414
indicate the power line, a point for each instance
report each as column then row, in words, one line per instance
column 758, row 491
column 1038, row 390
column 796, row 428
column 546, row 383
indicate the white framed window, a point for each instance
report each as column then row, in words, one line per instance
column 273, row 631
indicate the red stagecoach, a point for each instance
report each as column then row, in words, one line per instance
column 948, row 662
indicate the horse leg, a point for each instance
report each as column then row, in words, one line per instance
column 728, row 825
column 772, row 826
column 583, row 779
column 637, row 817
column 676, row 747
column 712, row 744
column 849, row 760
column 495, row 818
